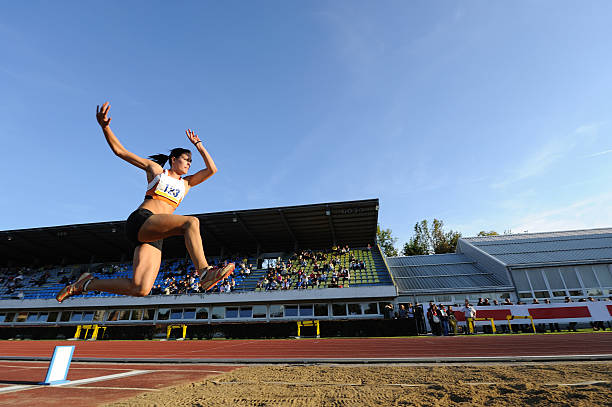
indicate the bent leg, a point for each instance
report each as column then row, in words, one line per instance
column 147, row 260
column 160, row 226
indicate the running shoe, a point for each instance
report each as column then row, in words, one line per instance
column 214, row 275
column 75, row 288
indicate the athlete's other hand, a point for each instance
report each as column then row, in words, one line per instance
column 101, row 115
column 192, row 136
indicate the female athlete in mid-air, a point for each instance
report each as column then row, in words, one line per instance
column 153, row 221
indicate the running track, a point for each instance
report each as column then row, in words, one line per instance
column 23, row 362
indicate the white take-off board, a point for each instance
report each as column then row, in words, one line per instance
column 60, row 363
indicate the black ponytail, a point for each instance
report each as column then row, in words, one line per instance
column 162, row 159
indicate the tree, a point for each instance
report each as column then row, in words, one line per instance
column 489, row 233
column 426, row 241
column 419, row 243
column 386, row 241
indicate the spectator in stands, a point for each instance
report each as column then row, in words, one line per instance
column 154, row 220
column 443, row 319
column 388, row 311
column 507, row 301
column 433, row 315
column 452, row 320
column 470, row 313
column 495, row 302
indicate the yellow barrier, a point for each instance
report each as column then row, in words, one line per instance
column 511, row 317
column 315, row 323
column 171, row 327
column 482, row 319
column 94, row 334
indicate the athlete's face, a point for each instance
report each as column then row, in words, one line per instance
column 182, row 164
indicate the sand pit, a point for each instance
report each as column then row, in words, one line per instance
column 516, row 384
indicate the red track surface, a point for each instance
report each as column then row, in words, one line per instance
column 155, row 376
column 415, row 347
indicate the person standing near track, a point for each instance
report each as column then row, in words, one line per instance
column 154, row 220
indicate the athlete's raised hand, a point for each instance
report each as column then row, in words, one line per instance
column 192, row 137
column 101, row 115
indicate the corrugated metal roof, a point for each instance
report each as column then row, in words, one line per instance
column 439, row 272
column 553, row 247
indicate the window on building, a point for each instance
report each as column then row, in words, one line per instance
column 99, row 315
column 276, row 311
column 537, row 280
column 259, row 311
column 370, row 308
column 21, row 316
column 136, row 315
column 218, row 313
column 604, row 274
column 42, row 317
column 32, row 317
column 189, row 313
column 163, row 314
column 231, row 312
column 321, row 310
column 246, row 312
column 354, row 309
column 202, row 313
column 520, row 280
column 9, row 317
column 77, row 316
column 88, row 316
column 291, row 310
column 52, row 316
column 306, row 310
column 338, row 310
column 176, row 313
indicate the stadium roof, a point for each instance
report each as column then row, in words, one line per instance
column 441, row 272
column 315, row 226
column 547, row 248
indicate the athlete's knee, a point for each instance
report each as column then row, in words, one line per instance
column 191, row 223
column 139, row 290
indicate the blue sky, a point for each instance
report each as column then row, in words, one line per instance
column 487, row 115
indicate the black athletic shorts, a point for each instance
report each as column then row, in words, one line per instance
column 134, row 223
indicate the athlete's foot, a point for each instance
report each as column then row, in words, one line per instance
column 213, row 275
column 76, row 288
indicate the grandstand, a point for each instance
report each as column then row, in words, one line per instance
column 261, row 237
column 284, row 275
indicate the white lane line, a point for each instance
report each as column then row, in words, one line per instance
column 115, row 388
column 589, row 383
column 21, row 387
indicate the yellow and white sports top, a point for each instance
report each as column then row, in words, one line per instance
column 165, row 188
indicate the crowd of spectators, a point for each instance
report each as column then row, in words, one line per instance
column 325, row 269
column 410, row 319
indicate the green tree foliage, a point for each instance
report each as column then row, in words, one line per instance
column 419, row 243
column 432, row 240
column 489, row 233
column 386, row 241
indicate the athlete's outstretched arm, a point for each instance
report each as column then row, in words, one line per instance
column 210, row 169
column 112, row 140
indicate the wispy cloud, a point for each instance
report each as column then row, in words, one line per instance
column 599, row 153
column 548, row 155
column 587, row 213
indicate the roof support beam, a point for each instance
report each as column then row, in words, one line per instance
column 69, row 242
column 246, row 229
column 328, row 212
column 284, row 219
column 208, row 229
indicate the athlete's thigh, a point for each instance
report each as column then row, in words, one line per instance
column 147, row 260
column 161, row 225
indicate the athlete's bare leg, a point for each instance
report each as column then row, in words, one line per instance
column 146, row 266
column 161, row 226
